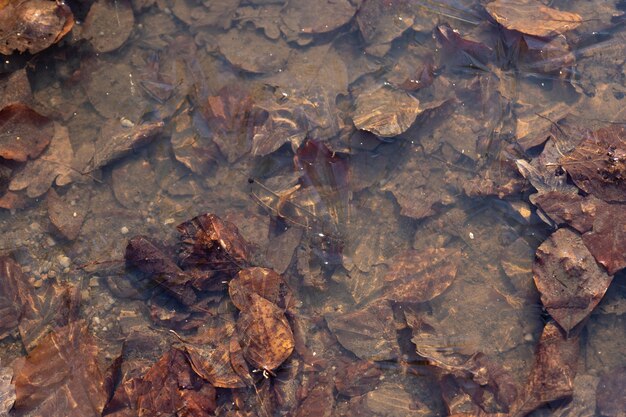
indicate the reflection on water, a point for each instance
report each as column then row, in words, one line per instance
column 417, row 208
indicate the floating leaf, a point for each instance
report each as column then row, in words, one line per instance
column 598, row 164
column 108, row 25
column 55, row 164
column 570, row 281
column 385, row 112
column 369, row 333
column 264, row 334
column 33, row 25
column 532, row 17
column 24, row 132
column 607, row 240
column 417, row 276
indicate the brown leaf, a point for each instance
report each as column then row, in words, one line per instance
column 260, row 281
column 210, row 243
column 192, row 148
column 570, row 281
column 301, row 17
column 170, row 387
column 7, row 391
column 60, row 377
column 251, row 51
column 610, row 395
column 55, row 164
column 369, row 333
column 265, row 335
column 108, row 24
column 116, row 141
column 14, row 291
column 143, row 255
column 318, row 403
column 25, row 133
column 598, row 164
column 33, row 25
column 356, row 378
column 532, row 17
column 134, row 183
column 15, row 88
column 421, row 276
column 568, row 208
column 385, row 112
column 67, row 218
column 607, row 240
column 553, row 373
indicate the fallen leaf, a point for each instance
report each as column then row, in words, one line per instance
column 607, row 240
column 260, row 281
column 301, row 17
column 61, row 376
column 318, row 403
column 598, row 164
column 192, row 146
column 265, row 335
column 67, row 218
column 14, row 292
column 15, row 88
column 33, row 25
column 417, row 276
column 108, row 24
column 568, row 208
column 356, row 378
column 54, row 165
column 369, row 333
column 385, row 112
column 252, row 52
column 570, row 281
column 25, row 133
column 610, row 394
column 134, row 183
column 532, row 17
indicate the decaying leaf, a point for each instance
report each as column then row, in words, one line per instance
column 32, row 25
column 116, row 141
column 368, row 332
column 598, row 164
column 357, row 378
column 532, row 17
column 55, row 164
column 61, row 376
column 251, row 51
column 570, row 281
column 265, row 335
column 421, row 276
column 568, row 208
column 607, row 240
column 301, row 17
column 554, row 370
column 108, row 24
column 15, row 88
column 210, row 243
column 24, row 132
column 14, row 290
column 192, row 148
column 67, row 218
column 260, row 281
column 143, row 255
column 385, row 112
column 610, row 394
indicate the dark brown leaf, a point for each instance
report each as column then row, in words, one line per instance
column 143, row 255
column 108, row 24
column 60, row 377
column 421, row 276
column 607, row 240
column 24, row 132
column 532, row 17
column 356, row 378
column 570, row 281
column 54, row 165
column 610, row 395
column 553, row 373
column 319, row 402
column 368, row 333
column 260, row 281
column 32, row 25
column 568, row 208
column 15, row 88
column 265, row 335
column 210, row 243
column 598, row 164
column 14, row 292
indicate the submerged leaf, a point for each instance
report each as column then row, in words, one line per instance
column 108, row 25
column 385, row 112
column 14, row 290
column 24, row 133
column 260, row 281
column 570, row 281
column 532, row 17
column 607, row 240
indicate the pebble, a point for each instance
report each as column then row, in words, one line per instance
column 124, row 230
column 64, row 261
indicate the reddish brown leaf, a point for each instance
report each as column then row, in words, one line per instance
column 607, row 240
column 33, row 25
column 553, row 373
column 261, row 281
column 369, row 333
column 319, row 402
column 356, row 378
column 570, row 281
column 265, row 335
column 210, row 243
column 60, row 377
column 569, row 208
column 421, row 276
column 532, row 17
column 153, row 262
column 598, row 164
column 24, row 132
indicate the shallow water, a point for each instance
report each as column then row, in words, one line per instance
column 367, row 151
